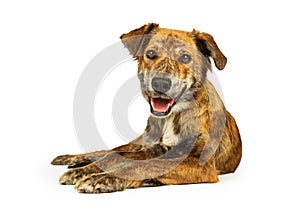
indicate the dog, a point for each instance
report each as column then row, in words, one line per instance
column 190, row 137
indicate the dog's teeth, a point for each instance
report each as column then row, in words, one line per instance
column 152, row 104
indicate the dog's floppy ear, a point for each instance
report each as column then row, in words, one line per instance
column 208, row 47
column 137, row 39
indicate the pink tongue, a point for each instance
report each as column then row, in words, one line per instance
column 160, row 104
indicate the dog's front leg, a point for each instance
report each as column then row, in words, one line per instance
column 150, row 173
column 80, row 160
column 109, row 162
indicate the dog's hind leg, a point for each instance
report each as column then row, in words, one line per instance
column 229, row 153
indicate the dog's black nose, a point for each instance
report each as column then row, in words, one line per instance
column 161, row 84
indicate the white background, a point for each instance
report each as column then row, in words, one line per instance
column 44, row 47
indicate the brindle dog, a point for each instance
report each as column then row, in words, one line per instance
column 189, row 138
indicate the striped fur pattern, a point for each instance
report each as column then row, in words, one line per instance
column 190, row 137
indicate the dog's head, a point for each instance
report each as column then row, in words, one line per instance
column 172, row 64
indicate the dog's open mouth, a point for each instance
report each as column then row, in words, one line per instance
column 161, row 106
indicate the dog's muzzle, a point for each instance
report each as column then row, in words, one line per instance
column 161, row 106
column 163, row 91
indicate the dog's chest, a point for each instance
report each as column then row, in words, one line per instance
column 169, row 138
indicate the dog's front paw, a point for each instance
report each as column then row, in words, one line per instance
column 71, row 160
column 72, row 176
column 100, row 183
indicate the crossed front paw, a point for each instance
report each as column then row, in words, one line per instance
column 71, row 160
column 100, row 183
column 73, row 175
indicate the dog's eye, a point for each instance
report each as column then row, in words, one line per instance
column 185, row 59
column 151, row 54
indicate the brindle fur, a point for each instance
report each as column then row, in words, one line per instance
column 199, row 139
